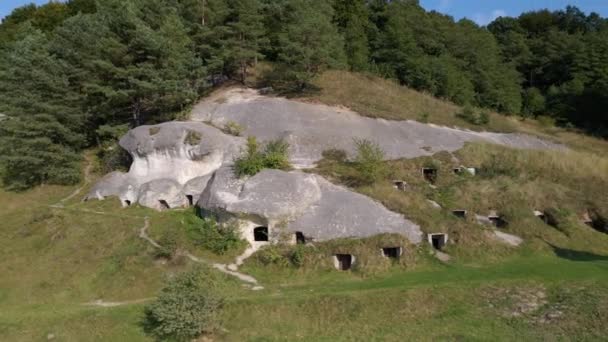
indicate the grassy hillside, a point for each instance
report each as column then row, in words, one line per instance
column 55, row 260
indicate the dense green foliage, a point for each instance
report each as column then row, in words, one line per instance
column 369, row 161
column 187, row 307
column 561, row 57
column 274, row 156
column 207, row 233
column 91, row 64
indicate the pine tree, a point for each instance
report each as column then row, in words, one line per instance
column 245, row 37
column 309, row 43
column 352, row 19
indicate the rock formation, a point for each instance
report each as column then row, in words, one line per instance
column 178, row 164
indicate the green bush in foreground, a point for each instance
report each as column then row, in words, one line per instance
column 187, row 307
column 274, row 156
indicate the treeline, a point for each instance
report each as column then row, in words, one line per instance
column 79, row 73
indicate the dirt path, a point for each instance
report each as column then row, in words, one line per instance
column 143, row 233
column 87, row 180
column 105, row 304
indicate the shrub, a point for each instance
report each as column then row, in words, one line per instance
column 335, row 155
column 210, row 235
column 484, row 118
column 113, row 158
column 272, row 255
column 154, row 130
column 168, row 246
column 188, row 306
column 469, row 115
column 423, row 117
column 274, row 156
column 192, row 138
column 369, row 161
column 499, row 165
column 233, row 128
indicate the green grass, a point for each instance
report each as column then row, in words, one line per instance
column 53, row 260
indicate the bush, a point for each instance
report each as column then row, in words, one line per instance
column 273, row 255
column 499, row 165
column 274, row 156
column 168, row 246
column 113, row 158
column 424, row 117
column 192, row 138
column 469, row 115
column 188, row 306
column 154, row 130
column 233, row 128
column 369, row 161
column 335, row 155
column 208, row 234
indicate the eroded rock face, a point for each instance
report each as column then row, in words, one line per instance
column 178, row 150
column 162, row 194
column 300, row 202
column 311, row 128
column 172, row 162
column 177, row 164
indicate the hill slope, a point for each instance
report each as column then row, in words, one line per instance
column 57, row 258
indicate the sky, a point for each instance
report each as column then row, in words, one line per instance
column 484, row 12
column 480, row 11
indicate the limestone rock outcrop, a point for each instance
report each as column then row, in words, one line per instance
column 179, row 164
column 312, row 128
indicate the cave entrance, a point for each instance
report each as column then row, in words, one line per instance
column 596, row 221
column 190, row 199
column 438, row 241
column 164, row 205
column 498, row 221
column 127, row 203
column 343, row 262
column 547, row 217
column 400, row 185
column 460, row 213
column 430, row 174
column 392, row 252
column 300, row 238
column 260, row 234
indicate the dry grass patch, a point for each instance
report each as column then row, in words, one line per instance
column 380, row 98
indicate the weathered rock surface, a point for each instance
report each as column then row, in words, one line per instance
column 304, row 203
column 177, row 164
column 162, row 194
column 171, row 161
column 311, row 128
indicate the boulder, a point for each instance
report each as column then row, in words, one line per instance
column 162, row 194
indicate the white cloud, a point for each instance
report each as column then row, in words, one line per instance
column 486, row 18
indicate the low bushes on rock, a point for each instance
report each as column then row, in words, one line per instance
column 274, row 156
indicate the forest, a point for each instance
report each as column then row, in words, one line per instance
column 79, row 73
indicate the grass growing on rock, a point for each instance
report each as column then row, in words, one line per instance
column 512, row 182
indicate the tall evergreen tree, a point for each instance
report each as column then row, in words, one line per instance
column 352, row 19
column 309, row 43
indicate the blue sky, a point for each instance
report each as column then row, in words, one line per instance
column 6, row 6
column 481, row 11
column 485, row 11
